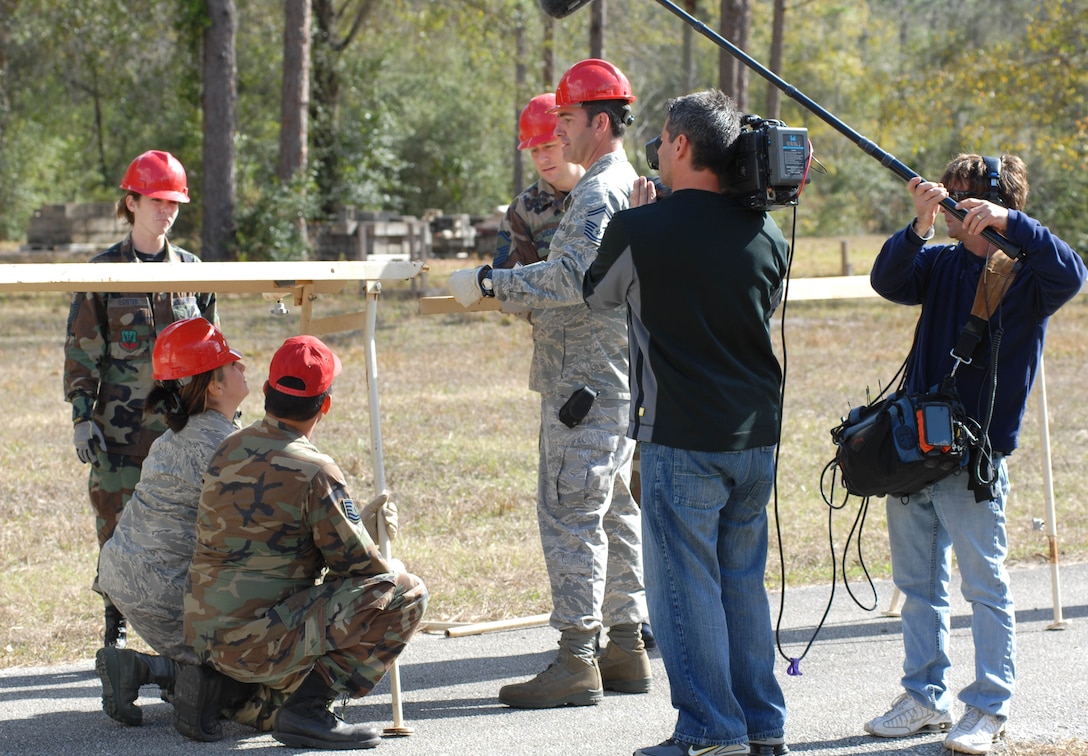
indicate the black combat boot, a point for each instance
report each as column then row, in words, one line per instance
column 197, row 694
column 122, row 673
column 305, row 721
column 116, row 634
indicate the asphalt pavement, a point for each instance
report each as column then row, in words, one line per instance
column 449, row 687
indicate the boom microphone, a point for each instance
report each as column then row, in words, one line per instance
column 561, row 8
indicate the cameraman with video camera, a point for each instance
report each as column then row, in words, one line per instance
column 965, row 513
column 701, row 275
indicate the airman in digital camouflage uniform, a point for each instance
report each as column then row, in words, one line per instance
column 590, row 526
column 199, row 384
column 107, row 351
column 529, row 224
column 286, row 588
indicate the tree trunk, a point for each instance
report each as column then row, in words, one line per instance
column 329, row 41
column 295, row 102
column 692, row 8
column 220, row 97
column 596, row 29
column 519, row 86
column 547, row 73
column 325, row 106
column 778, row 32
column 732, row 73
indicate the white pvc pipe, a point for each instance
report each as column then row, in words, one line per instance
column 373, row 289
column 1048, row 489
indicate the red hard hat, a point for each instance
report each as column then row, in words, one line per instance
column 589, row 80
column 157, row 174
column 537, row 122
column 189, row 347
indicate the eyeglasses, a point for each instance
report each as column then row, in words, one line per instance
column 961, row 194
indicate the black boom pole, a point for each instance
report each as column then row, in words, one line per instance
column 561, row 8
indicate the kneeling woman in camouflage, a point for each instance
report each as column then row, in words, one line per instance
column 200, row 383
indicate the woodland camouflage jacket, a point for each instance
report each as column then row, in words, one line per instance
column 274, row 514
column 107, row 351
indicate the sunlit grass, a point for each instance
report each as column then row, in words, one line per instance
column 459, row 428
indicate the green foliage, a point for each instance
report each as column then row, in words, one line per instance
column 270, row 223
column 427, row 101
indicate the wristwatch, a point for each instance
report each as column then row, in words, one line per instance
column 487, row 286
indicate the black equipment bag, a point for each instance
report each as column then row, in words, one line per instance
column 901, row 443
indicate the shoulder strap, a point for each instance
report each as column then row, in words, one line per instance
column 992, row 285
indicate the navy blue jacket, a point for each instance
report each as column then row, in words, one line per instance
column 943, row 279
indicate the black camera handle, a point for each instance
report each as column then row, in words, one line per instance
column 867, row 146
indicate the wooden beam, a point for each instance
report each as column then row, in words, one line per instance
column 830, row 287
column 325, row 277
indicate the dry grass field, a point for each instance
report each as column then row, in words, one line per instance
column 459, row 428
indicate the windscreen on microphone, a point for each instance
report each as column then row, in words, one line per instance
column 561, row 8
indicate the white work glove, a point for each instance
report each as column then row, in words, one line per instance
column 465, row 285
column 85, row 436
column 381, row 503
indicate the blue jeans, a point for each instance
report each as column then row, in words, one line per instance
column 924, row 531
column 705, row 549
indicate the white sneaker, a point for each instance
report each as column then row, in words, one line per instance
column 907, row 717
column 975, row 733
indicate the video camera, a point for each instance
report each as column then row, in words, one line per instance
column 767, row 166
column 769, row 163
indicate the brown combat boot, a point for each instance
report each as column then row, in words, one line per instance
column 570, row 680
column 625, row 671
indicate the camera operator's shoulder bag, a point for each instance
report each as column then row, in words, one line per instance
column 903, row 442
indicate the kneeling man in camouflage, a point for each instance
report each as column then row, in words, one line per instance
column 287, row 588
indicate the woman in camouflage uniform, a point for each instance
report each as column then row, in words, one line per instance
column 200, row 383
column 107, row 351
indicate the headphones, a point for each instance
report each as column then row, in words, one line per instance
column 993, row 178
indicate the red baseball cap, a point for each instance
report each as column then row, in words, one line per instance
column 307, row 359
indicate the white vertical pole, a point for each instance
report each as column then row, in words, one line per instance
column 373, row 289
column 1051, row 519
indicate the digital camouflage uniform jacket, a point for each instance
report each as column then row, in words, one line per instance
column 274, row 513
column 107, row 351
column 144, row 564
column 572, row 345
column 528, row 226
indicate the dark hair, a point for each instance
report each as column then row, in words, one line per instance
column 711, row 122
column 177, row 402
column 971, row 169
column 297, row 408
column 618, row 112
